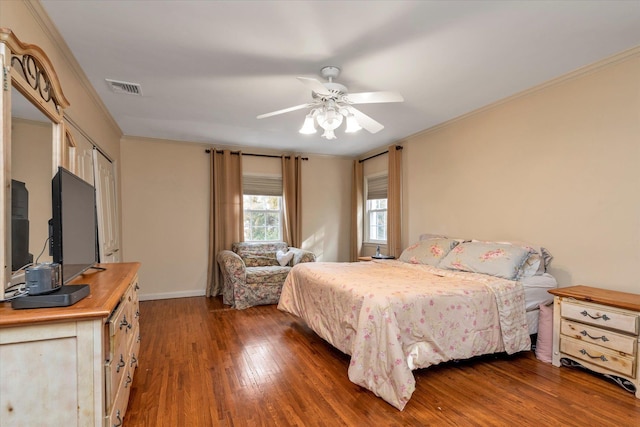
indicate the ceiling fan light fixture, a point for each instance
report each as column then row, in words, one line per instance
column 329, row 119
column 309, row 125
column 329, row 134
column 352, row 124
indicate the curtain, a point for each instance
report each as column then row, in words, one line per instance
column 225, row 211
column 292, row 200
column 394, row 202
column 357, row 211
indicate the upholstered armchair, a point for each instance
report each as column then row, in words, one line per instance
column 252, row 273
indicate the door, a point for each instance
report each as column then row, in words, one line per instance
column 108, row 229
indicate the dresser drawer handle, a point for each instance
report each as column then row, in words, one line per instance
column 125, row 323
column 118, row 419
column 120, row 364
column 603, row 317
column 601, row 357
column 128, row 381
column 134, row 360
column 586, row 334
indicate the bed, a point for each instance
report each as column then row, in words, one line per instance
column 430, row 306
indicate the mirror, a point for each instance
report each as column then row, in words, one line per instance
column 31, row 170
column 28, row 114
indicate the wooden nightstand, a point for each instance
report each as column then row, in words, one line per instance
column 598, row 329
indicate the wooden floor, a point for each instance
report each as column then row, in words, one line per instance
column 203, row 364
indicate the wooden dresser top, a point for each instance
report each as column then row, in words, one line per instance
column 106, row 288
column 601, row 296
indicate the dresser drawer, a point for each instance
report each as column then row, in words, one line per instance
column 115, row 370
column 116, row 413
column 599, row 336
column 597, row 355
column 599, row 315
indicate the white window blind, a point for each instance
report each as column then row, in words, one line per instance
column 377, row 187
column 254, row 185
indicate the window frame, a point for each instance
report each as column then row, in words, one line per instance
column 265, row 211
column 262, row 186
column 367, row 211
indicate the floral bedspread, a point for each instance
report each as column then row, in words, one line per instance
column 393, row 317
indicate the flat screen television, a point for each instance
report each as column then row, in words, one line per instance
column 74, row 234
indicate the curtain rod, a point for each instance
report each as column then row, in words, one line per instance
column 398, row 147
column 273, row 156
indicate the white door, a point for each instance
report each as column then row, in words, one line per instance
column 108, row 230
column 83, row 160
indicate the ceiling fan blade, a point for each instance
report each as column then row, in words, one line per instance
column 365, row 121
column 286, row 110
column 315, row 85
column 374, row 97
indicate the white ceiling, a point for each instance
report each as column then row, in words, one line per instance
column 208, row 68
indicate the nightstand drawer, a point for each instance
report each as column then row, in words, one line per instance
column 591, row 334
column 599, row 315
column 596, row 355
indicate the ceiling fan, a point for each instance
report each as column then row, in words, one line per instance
column 332, row 104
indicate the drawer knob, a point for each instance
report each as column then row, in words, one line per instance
column 603, row 317
column 586, row 334
column 601, row 357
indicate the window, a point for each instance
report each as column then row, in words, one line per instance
column 375, row 220
column 262, row 204
column 262, row 218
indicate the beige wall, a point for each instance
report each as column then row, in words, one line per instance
column 558, row 166
column 166, row 220
column 165, row 215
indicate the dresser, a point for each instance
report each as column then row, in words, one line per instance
column 598, row 329
column 72, row 366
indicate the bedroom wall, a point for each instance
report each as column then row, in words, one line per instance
column 557, row 166
column 165, row 201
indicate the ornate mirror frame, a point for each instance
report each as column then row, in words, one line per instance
column 27, row 68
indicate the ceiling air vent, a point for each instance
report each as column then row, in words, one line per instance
column 124, row 87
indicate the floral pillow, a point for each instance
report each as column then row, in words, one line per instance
column 429, row 251
column 495, row 259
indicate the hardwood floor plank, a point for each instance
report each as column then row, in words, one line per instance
column 202, row 364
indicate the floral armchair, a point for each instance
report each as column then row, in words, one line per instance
column 252, row 273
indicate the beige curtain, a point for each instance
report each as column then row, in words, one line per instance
column 292, row 200
column 394, row 202
column 357, row 211
column 225, row 211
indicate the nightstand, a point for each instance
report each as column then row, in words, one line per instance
column 598, row 329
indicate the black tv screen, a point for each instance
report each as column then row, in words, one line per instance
column 74, row 239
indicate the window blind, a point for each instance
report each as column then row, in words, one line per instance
column 256, row 185
column 377, row 187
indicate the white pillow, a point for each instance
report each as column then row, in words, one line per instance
column 284, row 258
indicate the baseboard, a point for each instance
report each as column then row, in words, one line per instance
column 169, row 295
